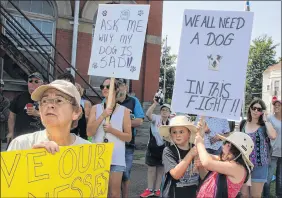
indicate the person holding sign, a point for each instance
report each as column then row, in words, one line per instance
column 118, row 131
column 229, row 170
column 261, row 131
column 180, row 179
column 59, row 108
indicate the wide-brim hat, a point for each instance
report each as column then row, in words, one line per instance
column 61, row 85
column 178, row 121
column 243, row 142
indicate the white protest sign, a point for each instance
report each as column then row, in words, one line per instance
column 118, row 41
column 212, row 62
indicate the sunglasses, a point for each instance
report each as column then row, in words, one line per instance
column 104, row 86
column 34, row 81
column 256, row 109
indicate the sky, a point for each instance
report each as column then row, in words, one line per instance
column 267, row 18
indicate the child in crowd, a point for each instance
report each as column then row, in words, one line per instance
column 229, row 170
column 180, row 180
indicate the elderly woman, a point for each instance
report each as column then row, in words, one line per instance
column 117, row 132
column 59, row 107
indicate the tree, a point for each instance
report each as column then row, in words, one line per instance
column 262, row 54
column 170, row 71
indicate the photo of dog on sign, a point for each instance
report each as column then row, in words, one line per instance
column 214, row 62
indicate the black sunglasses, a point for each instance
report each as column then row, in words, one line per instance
column 256, row 109
column 226, row 142
column 104, row 86
column 33, row 81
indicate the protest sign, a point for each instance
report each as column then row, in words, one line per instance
column 212, row 61
column 75, row 171
column 118, row 41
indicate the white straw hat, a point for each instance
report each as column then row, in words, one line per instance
column 243, row 142
column 164, row 130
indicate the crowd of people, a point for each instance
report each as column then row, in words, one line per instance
column 185, row 158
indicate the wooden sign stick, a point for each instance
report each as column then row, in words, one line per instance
column 110, row 97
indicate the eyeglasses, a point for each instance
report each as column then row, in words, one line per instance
column 165, row 110
column 104, row 86
column 56, row 101
column 34, row 81
column 256, row 109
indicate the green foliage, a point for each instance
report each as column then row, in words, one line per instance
column 262, row 54
column 170, row 71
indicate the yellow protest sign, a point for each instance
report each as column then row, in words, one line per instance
column 75, row 171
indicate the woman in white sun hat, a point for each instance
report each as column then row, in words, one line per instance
column 180, row 180
column 229, row 170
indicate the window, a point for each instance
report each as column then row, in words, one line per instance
column 41, row 14
column 268, row 87
column 34, row 6
column 276, row 85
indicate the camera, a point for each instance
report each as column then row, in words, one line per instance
column 159, row 97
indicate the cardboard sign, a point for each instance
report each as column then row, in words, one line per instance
column 75, row 171
column 212, row 61
column 118, row 41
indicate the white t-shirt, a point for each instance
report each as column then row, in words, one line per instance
column 25, row 142
column 155, row 124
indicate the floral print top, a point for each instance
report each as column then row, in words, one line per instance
column 260, row 154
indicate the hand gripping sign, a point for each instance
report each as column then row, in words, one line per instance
column 75, row 171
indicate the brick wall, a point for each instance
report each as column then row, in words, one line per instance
column 148, row 82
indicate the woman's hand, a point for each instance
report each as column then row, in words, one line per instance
column 50, row 146
column 198, row 139
column 107, row 112
column 108, row 128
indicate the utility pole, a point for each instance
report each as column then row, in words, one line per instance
column 247, row 8
column 165, row 55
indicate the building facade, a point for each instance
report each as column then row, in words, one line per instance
column 55, row 20
column 271, row 85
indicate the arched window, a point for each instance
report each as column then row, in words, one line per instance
column 41, row 13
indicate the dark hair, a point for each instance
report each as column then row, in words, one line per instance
column 116, row 85
column 249, row 115
column 66, row 76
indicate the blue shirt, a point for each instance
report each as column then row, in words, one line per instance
column 216, row 126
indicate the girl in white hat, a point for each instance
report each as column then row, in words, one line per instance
column 229, row 170
column 180, row 180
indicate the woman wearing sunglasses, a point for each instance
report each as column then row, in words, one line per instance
column 117, row 132
column 229, row 170
column 261, row 131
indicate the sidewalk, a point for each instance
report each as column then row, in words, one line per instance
column 139, row 157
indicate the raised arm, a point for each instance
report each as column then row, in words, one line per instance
column 271, row 132
column 212, row 164
column 150, row 110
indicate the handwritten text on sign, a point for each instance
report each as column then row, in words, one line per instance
column 76, row 171
column 118, row 41
column 212, row 60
